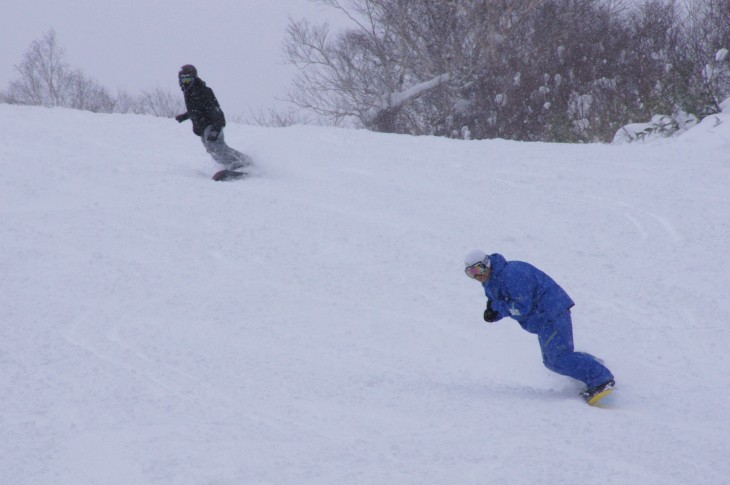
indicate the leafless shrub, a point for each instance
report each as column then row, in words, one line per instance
column 160, row 102
column 276, row 118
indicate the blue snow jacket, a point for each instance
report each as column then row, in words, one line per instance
column 523, row 292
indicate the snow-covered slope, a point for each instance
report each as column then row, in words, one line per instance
column 313, row 325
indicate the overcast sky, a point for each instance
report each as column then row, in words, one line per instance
column 140, row 44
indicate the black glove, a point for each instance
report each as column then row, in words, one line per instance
column 212, row 135
column 490, row 315
column 181, row 118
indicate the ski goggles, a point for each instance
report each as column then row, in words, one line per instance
column 186, row 79
column 476, row 269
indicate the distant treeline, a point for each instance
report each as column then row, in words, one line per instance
column 46, row 79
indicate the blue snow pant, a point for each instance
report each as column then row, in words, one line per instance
column 558, row 354
column 222, row 153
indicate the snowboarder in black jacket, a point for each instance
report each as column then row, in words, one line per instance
column 208, row 119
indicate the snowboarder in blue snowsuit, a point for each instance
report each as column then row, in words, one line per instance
column 519, row 290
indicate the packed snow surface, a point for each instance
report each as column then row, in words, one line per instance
column 312, row 324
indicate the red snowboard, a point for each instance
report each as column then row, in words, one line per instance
column 224, row 175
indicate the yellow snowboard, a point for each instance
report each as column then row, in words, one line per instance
column 594, row 400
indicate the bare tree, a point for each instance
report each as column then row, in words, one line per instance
column 343, row 77
column 361, row 73
column 43, row 74
column 406, row 64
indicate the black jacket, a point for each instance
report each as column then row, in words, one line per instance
column 203, row 108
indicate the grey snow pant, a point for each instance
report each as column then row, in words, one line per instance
column 222, row 153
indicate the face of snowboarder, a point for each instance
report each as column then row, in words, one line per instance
column 479, row 271
column 186, row 80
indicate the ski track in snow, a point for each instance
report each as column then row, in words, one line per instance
column 312, row 323
column 92, row 332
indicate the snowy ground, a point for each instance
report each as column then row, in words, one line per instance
column 313, row 325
